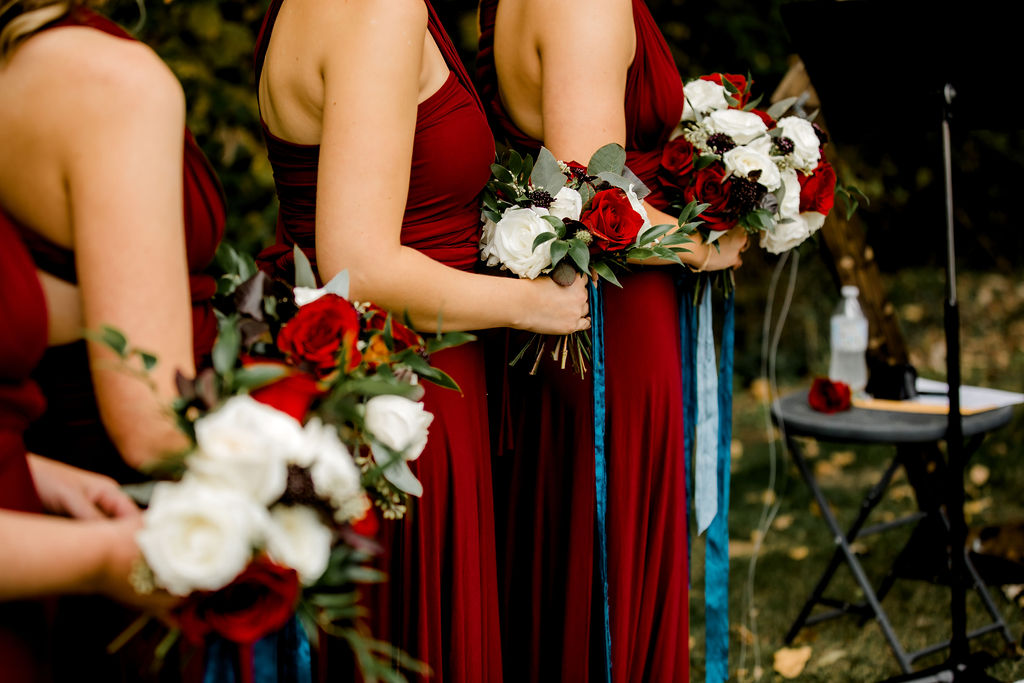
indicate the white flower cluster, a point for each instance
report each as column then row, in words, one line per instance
column 201, row 532
column 509, row 242
column 708, row 111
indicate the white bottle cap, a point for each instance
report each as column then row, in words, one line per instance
column 850, row 290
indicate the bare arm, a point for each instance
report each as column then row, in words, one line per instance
column 369, row 120
column 124, row 185
column 57, row 556
column 580, row 115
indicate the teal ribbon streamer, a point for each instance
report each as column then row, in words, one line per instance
column 688, row 358
column 716, row 548
column 705, row 475
column 280, row 657
column 600, row 459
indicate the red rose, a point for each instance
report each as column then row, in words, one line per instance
column 258, row 602
column 292, row 394
column 368, row 525
column 403, row 337
column 612, row 220
column 818, row 190
column 318, row 332
column 709, row 187
column 827, row 396
column 768, row 120
column 737, row 80
column 676, row 163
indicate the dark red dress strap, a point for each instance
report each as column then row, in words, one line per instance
column 451, row 55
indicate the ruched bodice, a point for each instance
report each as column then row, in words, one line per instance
column 451, row 156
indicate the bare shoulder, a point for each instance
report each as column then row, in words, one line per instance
column 589, row 24
column 94, row 72
column 394, row 17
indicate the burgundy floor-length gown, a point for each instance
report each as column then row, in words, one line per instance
column 23, row 637
column 71, row 430
column 440, row 602
column 551, row 618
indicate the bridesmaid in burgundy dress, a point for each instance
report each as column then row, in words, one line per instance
column 121, row 212
column 530, row 62
column 47, row 555
column 134, row 256
column 380, row 149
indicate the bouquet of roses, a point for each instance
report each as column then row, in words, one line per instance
column 306, row 422
column 550, row 217
column 763, row 170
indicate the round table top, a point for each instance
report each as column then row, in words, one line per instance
column 797, row 418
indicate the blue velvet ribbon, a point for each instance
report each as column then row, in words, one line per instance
column 600, row 459
column 688, row 332
column 280, row 657
column 716, row 544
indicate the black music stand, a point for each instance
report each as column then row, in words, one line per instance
column 881, row 66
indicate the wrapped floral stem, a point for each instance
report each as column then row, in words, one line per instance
column 561, row 219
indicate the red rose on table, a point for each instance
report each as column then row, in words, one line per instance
column 676, row 163
column 709, row 187
column 818, row 190
column 737, row 80
column 319, row 331
column 260, row 601
column 292, row 394
column 827, row 396
column 612, row 220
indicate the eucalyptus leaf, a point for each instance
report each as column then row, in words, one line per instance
column 227, row 346
column 148, row 360
column 781, row 107
column 556, row 223
column 502, row 174
column 448, row 340
column 641, row 253
column 610, row 158
column 667, row 254
column 586, row 194
column 652, row 233
column 727, row 84
column 704, row 160
column 339, row 284
column 639, row 188
column 258, row 375
column 515, row 163
column 580, row 255
column 604, row 271
column 527, row 169
column 303, row 269
column 542, row 238
column 675, row 238
column 752, row 104
column 114, row 339
column 559, row 248
column 547, row 174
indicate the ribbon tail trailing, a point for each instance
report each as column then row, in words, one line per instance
column 600, row 460
column 705, row 475
column 716, row 555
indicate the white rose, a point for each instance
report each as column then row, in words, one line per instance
column 513, row 242
column 742, row 161
column 634, row 201
column 703, row 97
column 742, row 126
column 306, row 295
column 336, row 478
column 486, row 240
column 567, row 204
column 791, row 228
column 763, row 145
column 806, row 146
column 246, row 445
column 196, row 537
column 401, row 425
column 298, row 539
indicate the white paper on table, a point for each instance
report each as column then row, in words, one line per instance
column 972, row 399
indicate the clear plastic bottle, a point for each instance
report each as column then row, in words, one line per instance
column 849, row 342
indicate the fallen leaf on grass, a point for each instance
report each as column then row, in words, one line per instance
column 824, row 469
column 843, row 458
column 829, row 658
column 799, row 553
column 789, row 662
column 783, row 522
column 978, row 475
